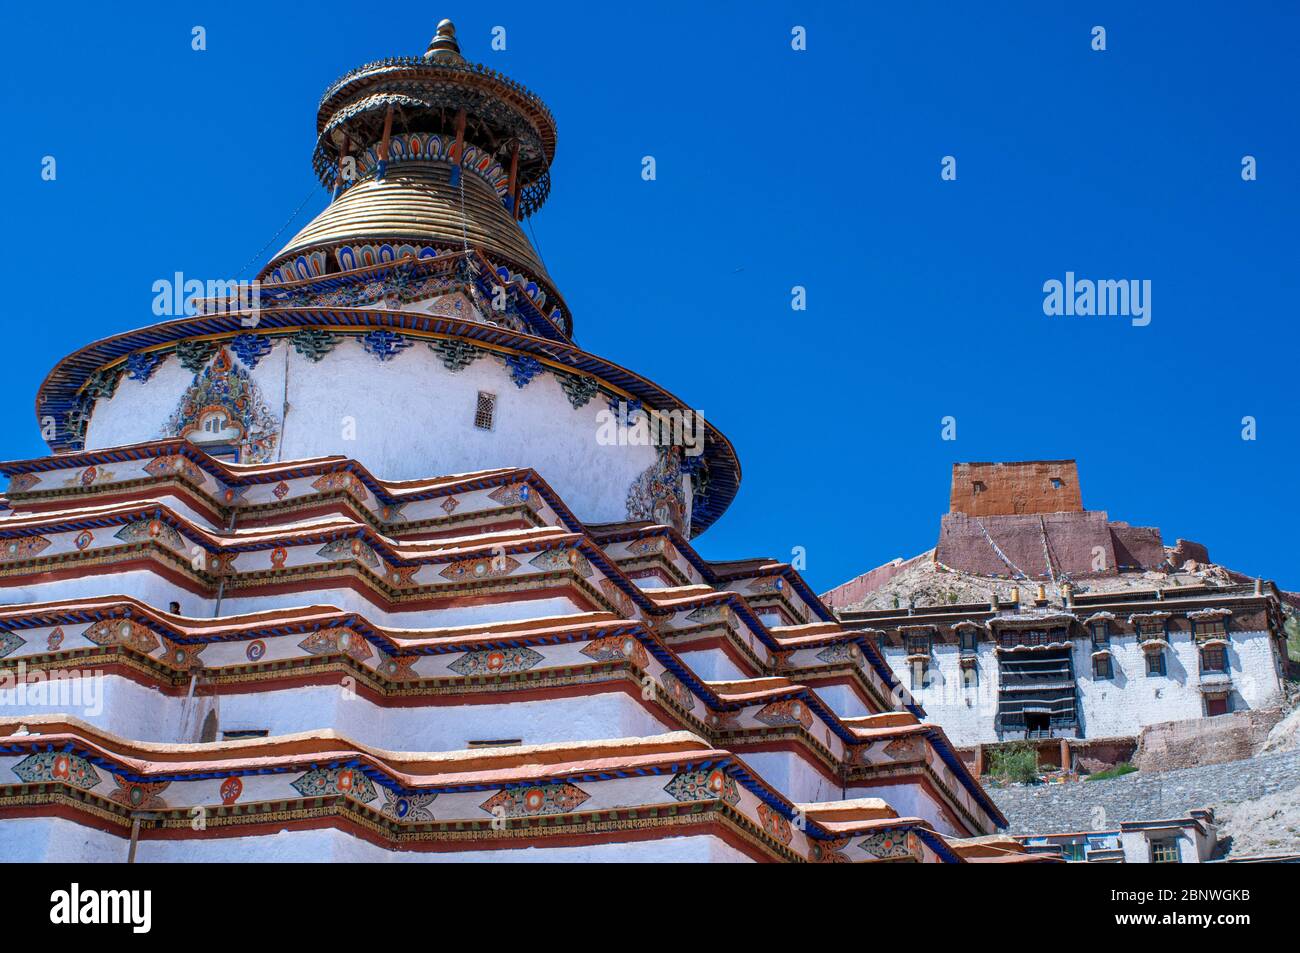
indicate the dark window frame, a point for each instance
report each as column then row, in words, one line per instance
column 485, row 411
column 1211, row 652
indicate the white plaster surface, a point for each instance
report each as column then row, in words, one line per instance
column 1117, row 707
column 36, row 840
column 794, row 777
column 139, row 712
column 408, row 418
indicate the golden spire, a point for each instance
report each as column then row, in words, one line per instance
column 443, row 47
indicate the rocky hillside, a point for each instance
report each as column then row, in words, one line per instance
column 923, row 581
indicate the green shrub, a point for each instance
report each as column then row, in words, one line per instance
column 1015, row 762
column 1118, row 771
column 1292, row 629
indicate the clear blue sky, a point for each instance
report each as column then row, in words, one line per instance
column 775, row 168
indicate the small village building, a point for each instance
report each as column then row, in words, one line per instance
column 1183, row 840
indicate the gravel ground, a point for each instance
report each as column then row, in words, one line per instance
column 1257, row 801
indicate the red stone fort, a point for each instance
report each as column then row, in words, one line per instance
column 1027, row 518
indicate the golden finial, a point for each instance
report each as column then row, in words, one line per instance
column 443, row 47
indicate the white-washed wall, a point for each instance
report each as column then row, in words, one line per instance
column 965, row 713
column 910, row 800
column 50, row 840
column 130, row 710
column 1117, row 707
column 793, row 776
column 712, row 665
column 413, row 419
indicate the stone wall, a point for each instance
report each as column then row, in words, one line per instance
column 1098, row 805
column 858, row 588
column 1080, row 544
column 1174, row 745
column 1185, row 549
column 1137, row 547
column 1004, row 489
column 1072, row 539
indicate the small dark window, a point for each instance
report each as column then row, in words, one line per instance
column 1101, row 666
column 174, row 608
column 1150, row 630
column 1210, row 629
column 485, row 412
column 238, row 733
column 978, row 487
column 1155, row 663
column 1164, row 851
column 1038, row 723
column 918, row 645
column 1214, row 659
column 1057, row 483
column 967, row 638
column 1100, row 633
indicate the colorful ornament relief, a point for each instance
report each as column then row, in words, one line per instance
column 183, row 656
column 829, row 851
column 408, row 807
column 841, row 652
column 890, row 844
column 223, row 409
column 23, row 482
column 337, row 642
column 615, row 648
column 10, row 642
column 657, row 494
column 339, row 480
column 781, row 714
column 775, row 823
column 430, row 147
column 123, row 632
column 143, row 531
column 138, row 794
column 704, row 786
column 175, row 465
column 348, row 782
column 399, row 668
column 561, row 559
column 486, row 567
column 58, row 766
column 90, row 476
column 342, row 550
column 558, row 798
column 496, row 661
column 25, row 548
column 513, row 493
column 672, row 687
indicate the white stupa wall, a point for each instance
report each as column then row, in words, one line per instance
column 54, row 840
column 160, row 592
column 406, row 418
column 128, row 709
column 910, row 800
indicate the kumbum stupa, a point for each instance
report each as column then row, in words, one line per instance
column 344, row 573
